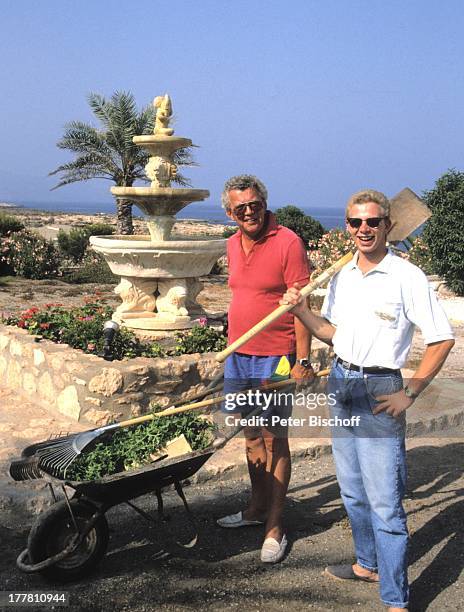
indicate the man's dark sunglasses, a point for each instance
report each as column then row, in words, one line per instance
column 254, row 206
column 356, row 223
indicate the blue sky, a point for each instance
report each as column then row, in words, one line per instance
column 318, row 98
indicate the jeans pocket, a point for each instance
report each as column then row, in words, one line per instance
column 377, row 385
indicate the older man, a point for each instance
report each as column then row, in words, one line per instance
column 264, row 260
column 369, row 314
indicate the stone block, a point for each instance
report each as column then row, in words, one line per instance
column 68, row 403
column 94, row 401
column 46, row 388
column 4, row 341
column 56, row 362
column 107, row 383
column 138, row 383
column 99, row 417
column 16, row 348
column 13, row 374
column 39, row 357
column 3, row 365
column 29, row 383
column 128, row 398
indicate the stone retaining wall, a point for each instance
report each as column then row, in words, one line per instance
column 87, row 388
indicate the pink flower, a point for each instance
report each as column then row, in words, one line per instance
column 90, row 346
column 203, row 321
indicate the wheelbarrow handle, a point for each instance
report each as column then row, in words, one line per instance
column 280, row 310
column 210, row 402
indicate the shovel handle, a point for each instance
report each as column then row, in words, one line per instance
column 212, row 401
column 280, row 310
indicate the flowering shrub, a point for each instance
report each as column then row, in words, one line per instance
column 8, row 225
column 419, row 254
column 82, row 328
column 200, row 339
column 29, row 255
column 329, row 249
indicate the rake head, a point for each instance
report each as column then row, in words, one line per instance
column 54, row 456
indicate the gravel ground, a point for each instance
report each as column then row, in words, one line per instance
column 145, row 570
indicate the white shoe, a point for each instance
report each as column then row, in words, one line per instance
column 272, row 551
column 236, row 520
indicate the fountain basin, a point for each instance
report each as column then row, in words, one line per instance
column 160, row 201
column 138, row 256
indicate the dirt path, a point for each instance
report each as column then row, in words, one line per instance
column 224, row 573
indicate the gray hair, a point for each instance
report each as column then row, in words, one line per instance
column 242, row 182
column 369, row 195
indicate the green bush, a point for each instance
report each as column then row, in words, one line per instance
column 303, row 225
column 92, row 269
column 200, row 339
column 444, row 231
column 29, row 255
column 229, row 231
column 9, row 224
column 73, row 244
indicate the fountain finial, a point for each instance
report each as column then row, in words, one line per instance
column 163, row 115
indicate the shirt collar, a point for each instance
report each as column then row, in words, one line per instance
column 382, row 266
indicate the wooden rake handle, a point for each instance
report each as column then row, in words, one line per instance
column 210, row 402
column 280, row 310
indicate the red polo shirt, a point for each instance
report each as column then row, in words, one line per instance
column 258, row 280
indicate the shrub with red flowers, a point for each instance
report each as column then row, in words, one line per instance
column 29, row 255
column 329, row 249
column 419, row 254
column 82, row 328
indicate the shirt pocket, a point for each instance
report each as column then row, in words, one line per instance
column 387, row 314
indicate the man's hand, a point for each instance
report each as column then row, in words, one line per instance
column 300, row 373
column 293, row 296
column 394, row 404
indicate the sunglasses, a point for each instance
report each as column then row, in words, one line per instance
column 356, row 223
column 254, row 206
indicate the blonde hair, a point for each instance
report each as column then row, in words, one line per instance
column 369, row 195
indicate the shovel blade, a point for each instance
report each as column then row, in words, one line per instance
column 408, row 212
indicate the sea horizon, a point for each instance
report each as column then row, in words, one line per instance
column 198, row 211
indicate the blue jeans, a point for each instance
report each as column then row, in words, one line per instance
column 370, row 461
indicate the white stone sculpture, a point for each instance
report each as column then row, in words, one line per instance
column 159, row 276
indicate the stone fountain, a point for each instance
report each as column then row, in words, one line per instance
column 159, row 275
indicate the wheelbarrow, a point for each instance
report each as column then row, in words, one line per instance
column 68, row 540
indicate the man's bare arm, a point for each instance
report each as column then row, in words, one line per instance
column 318, row 326
column 431, row 363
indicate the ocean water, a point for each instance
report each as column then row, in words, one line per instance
column 329, row 217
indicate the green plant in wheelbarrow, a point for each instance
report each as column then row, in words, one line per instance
column 131, row 448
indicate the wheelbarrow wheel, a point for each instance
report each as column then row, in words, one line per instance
column 54, row 530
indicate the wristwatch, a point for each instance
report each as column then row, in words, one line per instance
column 410, row 394
column 304, row 362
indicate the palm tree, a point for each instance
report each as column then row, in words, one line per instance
column 108, row 152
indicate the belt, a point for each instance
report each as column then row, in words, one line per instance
column 368, row 370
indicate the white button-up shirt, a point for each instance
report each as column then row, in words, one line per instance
column 375, row 313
